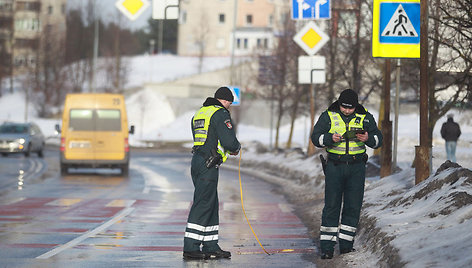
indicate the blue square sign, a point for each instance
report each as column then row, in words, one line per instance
column 311, row 9
column 399, row 23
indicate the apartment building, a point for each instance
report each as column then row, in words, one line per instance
column 206, row 27
column 28, row 29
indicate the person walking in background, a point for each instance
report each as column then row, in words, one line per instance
column 344, row 129
column 450, row 131
column 214, row 138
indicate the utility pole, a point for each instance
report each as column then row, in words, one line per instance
column 423, row 151
column 386, row 156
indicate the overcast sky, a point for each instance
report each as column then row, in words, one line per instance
column 110, row 12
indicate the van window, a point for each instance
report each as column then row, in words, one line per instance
column 95, row 120
column 108, row 120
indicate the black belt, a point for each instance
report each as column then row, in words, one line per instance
column 356, row 159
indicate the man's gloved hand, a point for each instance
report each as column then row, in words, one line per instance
column 235, row 152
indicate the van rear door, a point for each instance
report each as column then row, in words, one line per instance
column 79, row 141
column 108, row 136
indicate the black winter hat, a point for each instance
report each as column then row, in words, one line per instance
column 224, row 93
column 348, row 98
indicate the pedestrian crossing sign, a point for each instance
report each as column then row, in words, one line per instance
column 396, row 29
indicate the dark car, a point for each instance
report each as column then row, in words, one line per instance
column 21, row 138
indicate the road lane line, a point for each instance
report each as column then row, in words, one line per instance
column 123, row 213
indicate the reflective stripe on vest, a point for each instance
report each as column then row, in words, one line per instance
column 201, row 123
column 338, row 126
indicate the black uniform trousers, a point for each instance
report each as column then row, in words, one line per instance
column 203, row 218
column 344, row 185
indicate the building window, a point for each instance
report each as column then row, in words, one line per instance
column 245, row 43
column 31, row 6
column 271, row 20
column 221, row 18
column 259, row 43
column 6, row 6
column 249, row 19
column 266, row 43
column 49, row 10
column 238, row 43
column 63, row 9
column 183, row 17
column 19, row 61
column 220, row 43
column 27, row 24
column 32, row 61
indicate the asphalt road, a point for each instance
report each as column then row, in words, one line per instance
column 97, row 218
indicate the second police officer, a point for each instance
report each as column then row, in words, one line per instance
column 344, row 130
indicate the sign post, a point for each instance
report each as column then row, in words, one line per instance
column 311, row 38
column 400, row 31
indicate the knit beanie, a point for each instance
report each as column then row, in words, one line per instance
column 348, row 99
column 224, row 93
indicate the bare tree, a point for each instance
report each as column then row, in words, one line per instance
column 46, row 79
column 202, row 30
column 450, row 70
column 115, row 69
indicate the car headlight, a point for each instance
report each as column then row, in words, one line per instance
column 21, row 141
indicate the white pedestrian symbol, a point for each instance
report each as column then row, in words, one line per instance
column 399, row 25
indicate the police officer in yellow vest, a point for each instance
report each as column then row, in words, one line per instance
column 214, row 138
column 344, row 130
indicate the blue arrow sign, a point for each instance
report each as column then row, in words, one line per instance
column 311, row 9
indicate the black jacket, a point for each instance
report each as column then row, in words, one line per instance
column 450, row 131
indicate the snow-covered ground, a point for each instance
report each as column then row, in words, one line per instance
column 424, row 225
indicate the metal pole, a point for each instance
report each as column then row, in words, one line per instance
column 423, row 151
column 161, row 33
column 235, row 14
column 395, row 131
column 271, row 116
column 95, row 49
column 26, row 103
column 311, row 147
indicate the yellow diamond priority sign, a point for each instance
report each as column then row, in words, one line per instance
column 311, row 38
column 132, row 8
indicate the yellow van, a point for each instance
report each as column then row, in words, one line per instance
column 94, row 132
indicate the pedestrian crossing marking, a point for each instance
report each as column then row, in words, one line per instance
column 120, row 203
column 64, row 202
column 400, row 25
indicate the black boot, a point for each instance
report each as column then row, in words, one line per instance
column 194, row 255
column 346, row 250
column 326, row 255
column 217, row 254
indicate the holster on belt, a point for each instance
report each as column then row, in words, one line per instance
column 215, row 159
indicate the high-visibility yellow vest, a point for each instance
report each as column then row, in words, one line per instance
column 338, row 126
column 201, row 123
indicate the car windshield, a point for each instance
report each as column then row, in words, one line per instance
column 15, row 129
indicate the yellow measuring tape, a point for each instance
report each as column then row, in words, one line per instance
column 242, row 203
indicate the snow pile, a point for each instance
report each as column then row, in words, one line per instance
column 429, row 223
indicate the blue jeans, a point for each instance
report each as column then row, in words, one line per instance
column 451, row 150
